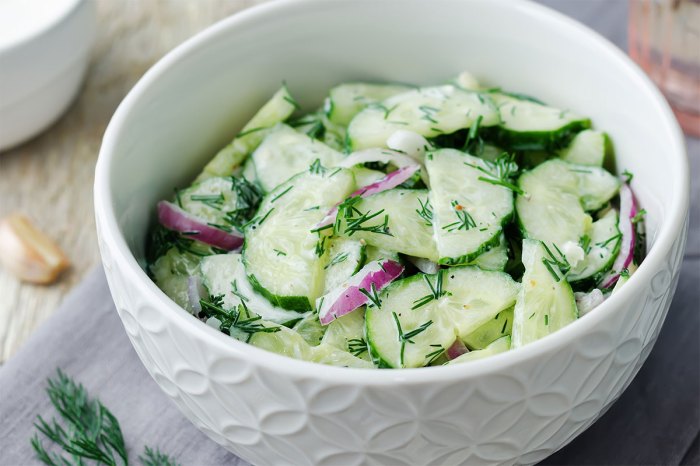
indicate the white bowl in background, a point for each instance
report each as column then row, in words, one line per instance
column 516, row 407
column 44, row 53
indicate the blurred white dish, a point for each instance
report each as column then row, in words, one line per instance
column 44, row 52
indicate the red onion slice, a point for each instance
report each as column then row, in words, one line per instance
column 354, row 293
column 457, row 349
column 174, row 218
column 390, row 181
column 628, row 210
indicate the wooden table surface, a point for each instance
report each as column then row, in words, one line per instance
column 50, row 178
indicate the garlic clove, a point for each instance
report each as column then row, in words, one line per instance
column 28, row 253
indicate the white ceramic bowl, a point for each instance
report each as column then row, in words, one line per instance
column 516, row 407
column 44, row 53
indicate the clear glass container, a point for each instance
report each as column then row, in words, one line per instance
column 664, row 39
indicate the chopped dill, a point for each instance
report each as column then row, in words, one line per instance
column 499, row 172
column 464, row 219
column 425, row 211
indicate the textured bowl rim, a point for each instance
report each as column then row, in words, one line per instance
column 669, row 230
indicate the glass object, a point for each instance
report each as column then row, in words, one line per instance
column 664, row 39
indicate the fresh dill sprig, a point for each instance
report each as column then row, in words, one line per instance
column 152, row 457
column 357, row 220
column 407, row 337
column 425, row 211
column 436, row 291
column 248, row 197
column 281, row 194
column 215, row 201
column 320, row 245
column 357, row 346
column 639, row 216
column 239, row 318
column 628, row 176
column 372, row 295
column 162, row 240
column 615, row 237
column 428, row 113
column 234, row 290
column 341, row 257
column 316, row 168
column 554, row 263
column 585, row 243
column 87, row 431
column 499, row 172
column 433, row 355
column 473, row 143
column 464, row 219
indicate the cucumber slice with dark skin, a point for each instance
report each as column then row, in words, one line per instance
column 500, row 345
column 389, row 220
column 546, row 301
column 277, row 109
column 553, row 208
column 428, row 111
column 589, row 147
column 421, row 316
column 348, row 99
column 345, row 257
column 285, row 152
column 498, row 327
column 469, row 207
column 283, row 257
column 527, row 125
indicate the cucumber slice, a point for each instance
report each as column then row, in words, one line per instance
column 345, row 257
column 348, row 99
column 276, row 110
column 423, row 331
column 285, row 152
column 557, row 194
column 310, row 329
column 601, row 251
column 546, row 301
column 553, row 211
column 421, row 316
column 499, row 346
column 375, row 254
column 389, row 220
column 289, row 343
column 596, row 186
column 495, row 258
column 528, row 125
column 332, row 356
column 170, row 272
column 224, row 274
column 282, row 256
column 248, row 172
column 589, row 147
column 223, row 202
column 348, row 333
column 468, row 212
column 496, row 328
column 428, row 111
column 550, row 209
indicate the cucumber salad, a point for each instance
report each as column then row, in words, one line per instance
column 400, row 226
